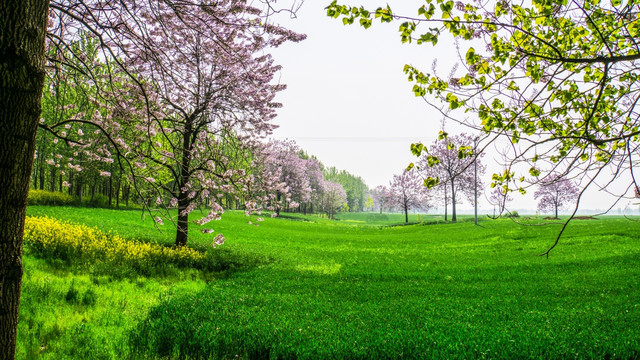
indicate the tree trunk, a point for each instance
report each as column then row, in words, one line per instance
column 34, row 176
column 118, row 193
column 23, row 27
column 183, row 222
column 453, row 202
column 183, row 192
column 111, row 186
column 79, row 188
column 41, row 174
column 445, row 202
column 53, row 178
column 70, row 190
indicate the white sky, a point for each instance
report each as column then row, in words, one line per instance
column 349, row 103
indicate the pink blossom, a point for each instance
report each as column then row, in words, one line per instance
column 218, row 240
column 65, row 184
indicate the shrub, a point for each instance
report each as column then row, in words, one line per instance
column 513, row 214
column 98, row 200
column 54, row 239
column 43, row 197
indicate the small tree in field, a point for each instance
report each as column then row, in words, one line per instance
column 333, row 198
column 499, row 198
column 554, row 193
column 408, row 192
column 382, row 197
column 449, row 163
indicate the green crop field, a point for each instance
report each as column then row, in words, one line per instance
column 312, row 288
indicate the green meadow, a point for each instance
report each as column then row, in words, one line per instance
column 359, row 287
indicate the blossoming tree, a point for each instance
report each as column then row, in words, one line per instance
column 407, row 192
column 554, row 192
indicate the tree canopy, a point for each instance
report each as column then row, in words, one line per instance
column 556, row 77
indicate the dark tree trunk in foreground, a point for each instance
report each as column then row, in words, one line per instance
column 22, row 31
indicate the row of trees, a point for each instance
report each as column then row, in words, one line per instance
column 450, row 170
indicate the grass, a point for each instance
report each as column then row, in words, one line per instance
column 352, row 288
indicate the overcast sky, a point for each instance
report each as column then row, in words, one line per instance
column 349, row 103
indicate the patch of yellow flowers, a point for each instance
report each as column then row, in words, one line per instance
column 54, row 238
column 43, row 197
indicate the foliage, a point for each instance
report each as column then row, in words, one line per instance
column 499, row 198
column 354, row 187
column 43, row 197
column 512, row 214
column 448, row 164
column 333, row 198
column 381, row 195
column 406, row 192
column 556, row 78
column 554, row 193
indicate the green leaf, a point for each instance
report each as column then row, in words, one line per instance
column 416, row 149
column 430, row 182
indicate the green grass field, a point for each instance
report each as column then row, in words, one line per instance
column 311, row 288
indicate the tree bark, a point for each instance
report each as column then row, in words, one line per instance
column 406, row 210
column 53, row 178
column 453, row 202
column 183, row 199
column 23, row 26
column 445, row 202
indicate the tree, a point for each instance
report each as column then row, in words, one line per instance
column 283, row 162
column 555, row 78
column 450, row 164
column 354, row 187
column 380, row 197
column 499, row 198
column 368, row 206
column 407, row 192
column 333, row 198
column 554, row 193
column 23, row 26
